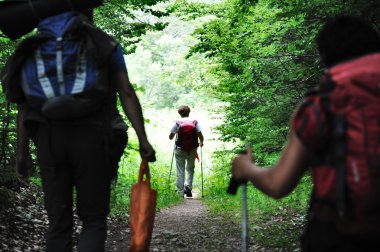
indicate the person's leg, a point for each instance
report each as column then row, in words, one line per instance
column 180, row 163
column 57, row 185
column 190, row 166
column 92, row 180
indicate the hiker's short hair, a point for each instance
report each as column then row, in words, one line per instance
column 346, row 37
column 184, row 110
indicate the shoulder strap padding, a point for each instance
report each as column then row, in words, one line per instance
column 10, row 75
column 98, row 43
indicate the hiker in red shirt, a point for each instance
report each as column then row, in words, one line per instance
column 336, row 132
column 188, row 132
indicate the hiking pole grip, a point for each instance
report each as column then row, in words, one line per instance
column 235, row 183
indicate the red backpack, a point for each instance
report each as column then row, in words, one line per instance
column 187, row 135
column 347, row 185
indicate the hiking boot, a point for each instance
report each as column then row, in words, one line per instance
column 187, row 192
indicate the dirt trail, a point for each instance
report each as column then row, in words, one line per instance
column 185, row 227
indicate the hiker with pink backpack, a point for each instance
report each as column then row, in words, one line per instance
column 335, row 132
column 188, row 132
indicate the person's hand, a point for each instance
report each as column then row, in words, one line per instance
column 147, row 152
column 242, row 165
column 200, row 144
column 24, row 167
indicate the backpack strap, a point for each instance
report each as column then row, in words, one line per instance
column 178, row 139
column 337, row 153
column 98, row 43
column 10, row 75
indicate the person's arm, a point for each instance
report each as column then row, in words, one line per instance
column 174, row 131
column 133, row 111
column 279, row 180
column 200, row 136
column 24, row 163
column 171, row 136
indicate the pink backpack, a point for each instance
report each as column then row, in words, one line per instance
column 187, row 135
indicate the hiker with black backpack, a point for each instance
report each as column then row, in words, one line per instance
column 335, row 131
column 188, row 132
column 64, row 80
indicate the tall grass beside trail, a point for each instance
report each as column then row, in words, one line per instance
column 273, row 224
column 128, row 175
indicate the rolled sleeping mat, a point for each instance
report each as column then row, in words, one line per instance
column 19, row 17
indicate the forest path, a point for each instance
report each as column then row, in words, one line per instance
column 185, row 227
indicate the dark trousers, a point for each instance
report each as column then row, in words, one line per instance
column 74, row 156
column 322, row 236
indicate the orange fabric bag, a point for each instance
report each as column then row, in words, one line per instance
column 143, row 210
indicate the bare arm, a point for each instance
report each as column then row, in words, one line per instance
column 24, row 164
column 279, row 180
column 200, row 136
column 133, row 111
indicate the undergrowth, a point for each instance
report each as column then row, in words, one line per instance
column 273, row 224
column 128, row 175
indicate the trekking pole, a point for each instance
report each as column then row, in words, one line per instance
column 171, row 167
column 170, row 174
column 244, row 222
column 202, row 171
column 232, row 189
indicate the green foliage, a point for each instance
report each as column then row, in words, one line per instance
column 129, row 20
column 261, row 71
column 121, row 192
column 265, row 59
column 7, row 136
column 193, row 9
column 8, row 178
column 160, row 67
column 167, row 192
column 128, row 175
